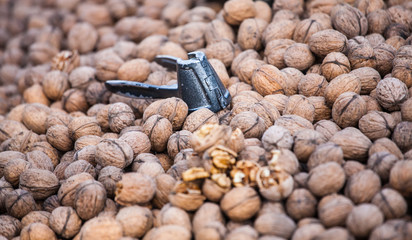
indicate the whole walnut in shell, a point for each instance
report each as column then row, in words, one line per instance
column 135, row 220
column 134, row 188
column 340, row 84
column 333, row 210
column 269, row 80
column 120, row 116
column 363, row 219
column 158, row 129
column 326, row 178
column 234, row 12
column 240, row 203
column 326, row 41
column 40, row 183
column 174, row 109
column 65, row 222
column 114, row 152
column 349, row 20
column 89, row 199
column 348, row 108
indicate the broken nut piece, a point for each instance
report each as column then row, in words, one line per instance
column 274, row 185
column 194, row 174
column 244, row 173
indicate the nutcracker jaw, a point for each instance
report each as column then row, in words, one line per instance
column 197, row 84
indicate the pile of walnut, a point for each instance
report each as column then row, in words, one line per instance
column 316, row 144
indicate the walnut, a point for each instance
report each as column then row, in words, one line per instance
column 363, row 219
column 217, row 30
column 41, row 52
column 107, row 64
column 209, row 135
column 377, row 124
column 240, row 203
column 250, row 33
column 37, row 231
column 10, row 226
column 321, row 182
column 293, row 123
column 282, row 29
column 109, row 150
column 353, row 142
column 406, row 110
column 199, row 117
column 335, row 64
column 34, row 117
column 362, row 186
column 400, row 69
column 65, row 222
column 391, row 93
column 300, row 204
column 55, row 83
column 158, row 130
column 275, row 50
column 174, row 109
column 326, row 41
column 378, row 21
column 39, row 160
column 82, row 37
column 275, row 224
column 40, row 183
column 361, row 53
column 269, row 80
column 333, row 210
column 305, row 29
column 221, row 71
column 58, row 136
column 134, row 188
column 349, row 20
column 82, row 126
column 192, row 36
column 236, row 11
column 385, row 145
column 312, row 84
column 249, row 123
column 74, row 100
column 139, row 142
column 79, row 166
column 130, row 217
column 90, row 198
column 109, row 176
column 274, row 183
column 223, row 50
column 300, row 105
column 390, row 228
column 104, row 227
column 23, row 141
column 299, row 56
column 164, row 184
column 323, row 153
column 207, row 213
column 322, row 111
column 391, row 203
column 14, row 168
column 348, row 108
column 82, row 77
column 186, row 196
column 19, row 203
column 67, row 190
column 340, row 84
column 308, row 230
column 401, row 135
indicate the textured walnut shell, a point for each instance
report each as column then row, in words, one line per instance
column 312, row 84
column 275, row 224
column 333, row 210
column 305, row 29
column 391, row 203
column 134, row 188
column 10, row 226
column 223, row 50
column 361, row 53
column 275, row 50
column 349, row 20
column 37, row 231
column 282, row 29
column 293, row 123
column 391, row 92
column 363, row 219
column 249, row 123
column 67, row 190
column 335, row 64
column 114, row 152
column 217, row 30
column 354, row 143
column 347, row 109
column 198, row 118
column 385, row 145
column 277, row 137
column 89, row 199
column 299, row 56
column 305, row 142
column 377, row 125
column 135, row 220
column 250, row 33
column 399, row 177
column 174, row 109
column 340, row 84
column 236, row 11
column 326, row 152
column 65, row 222
column 300, row 105
column 326, row 41
column 300, row 204
column 40, row 183
column 240, row 203
column 82, row 126
column 326, row 178
column 102, row 228
column 362, row 186
column 19, row 203
column 120, row 116
column 158, row 129
column 269, row 80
